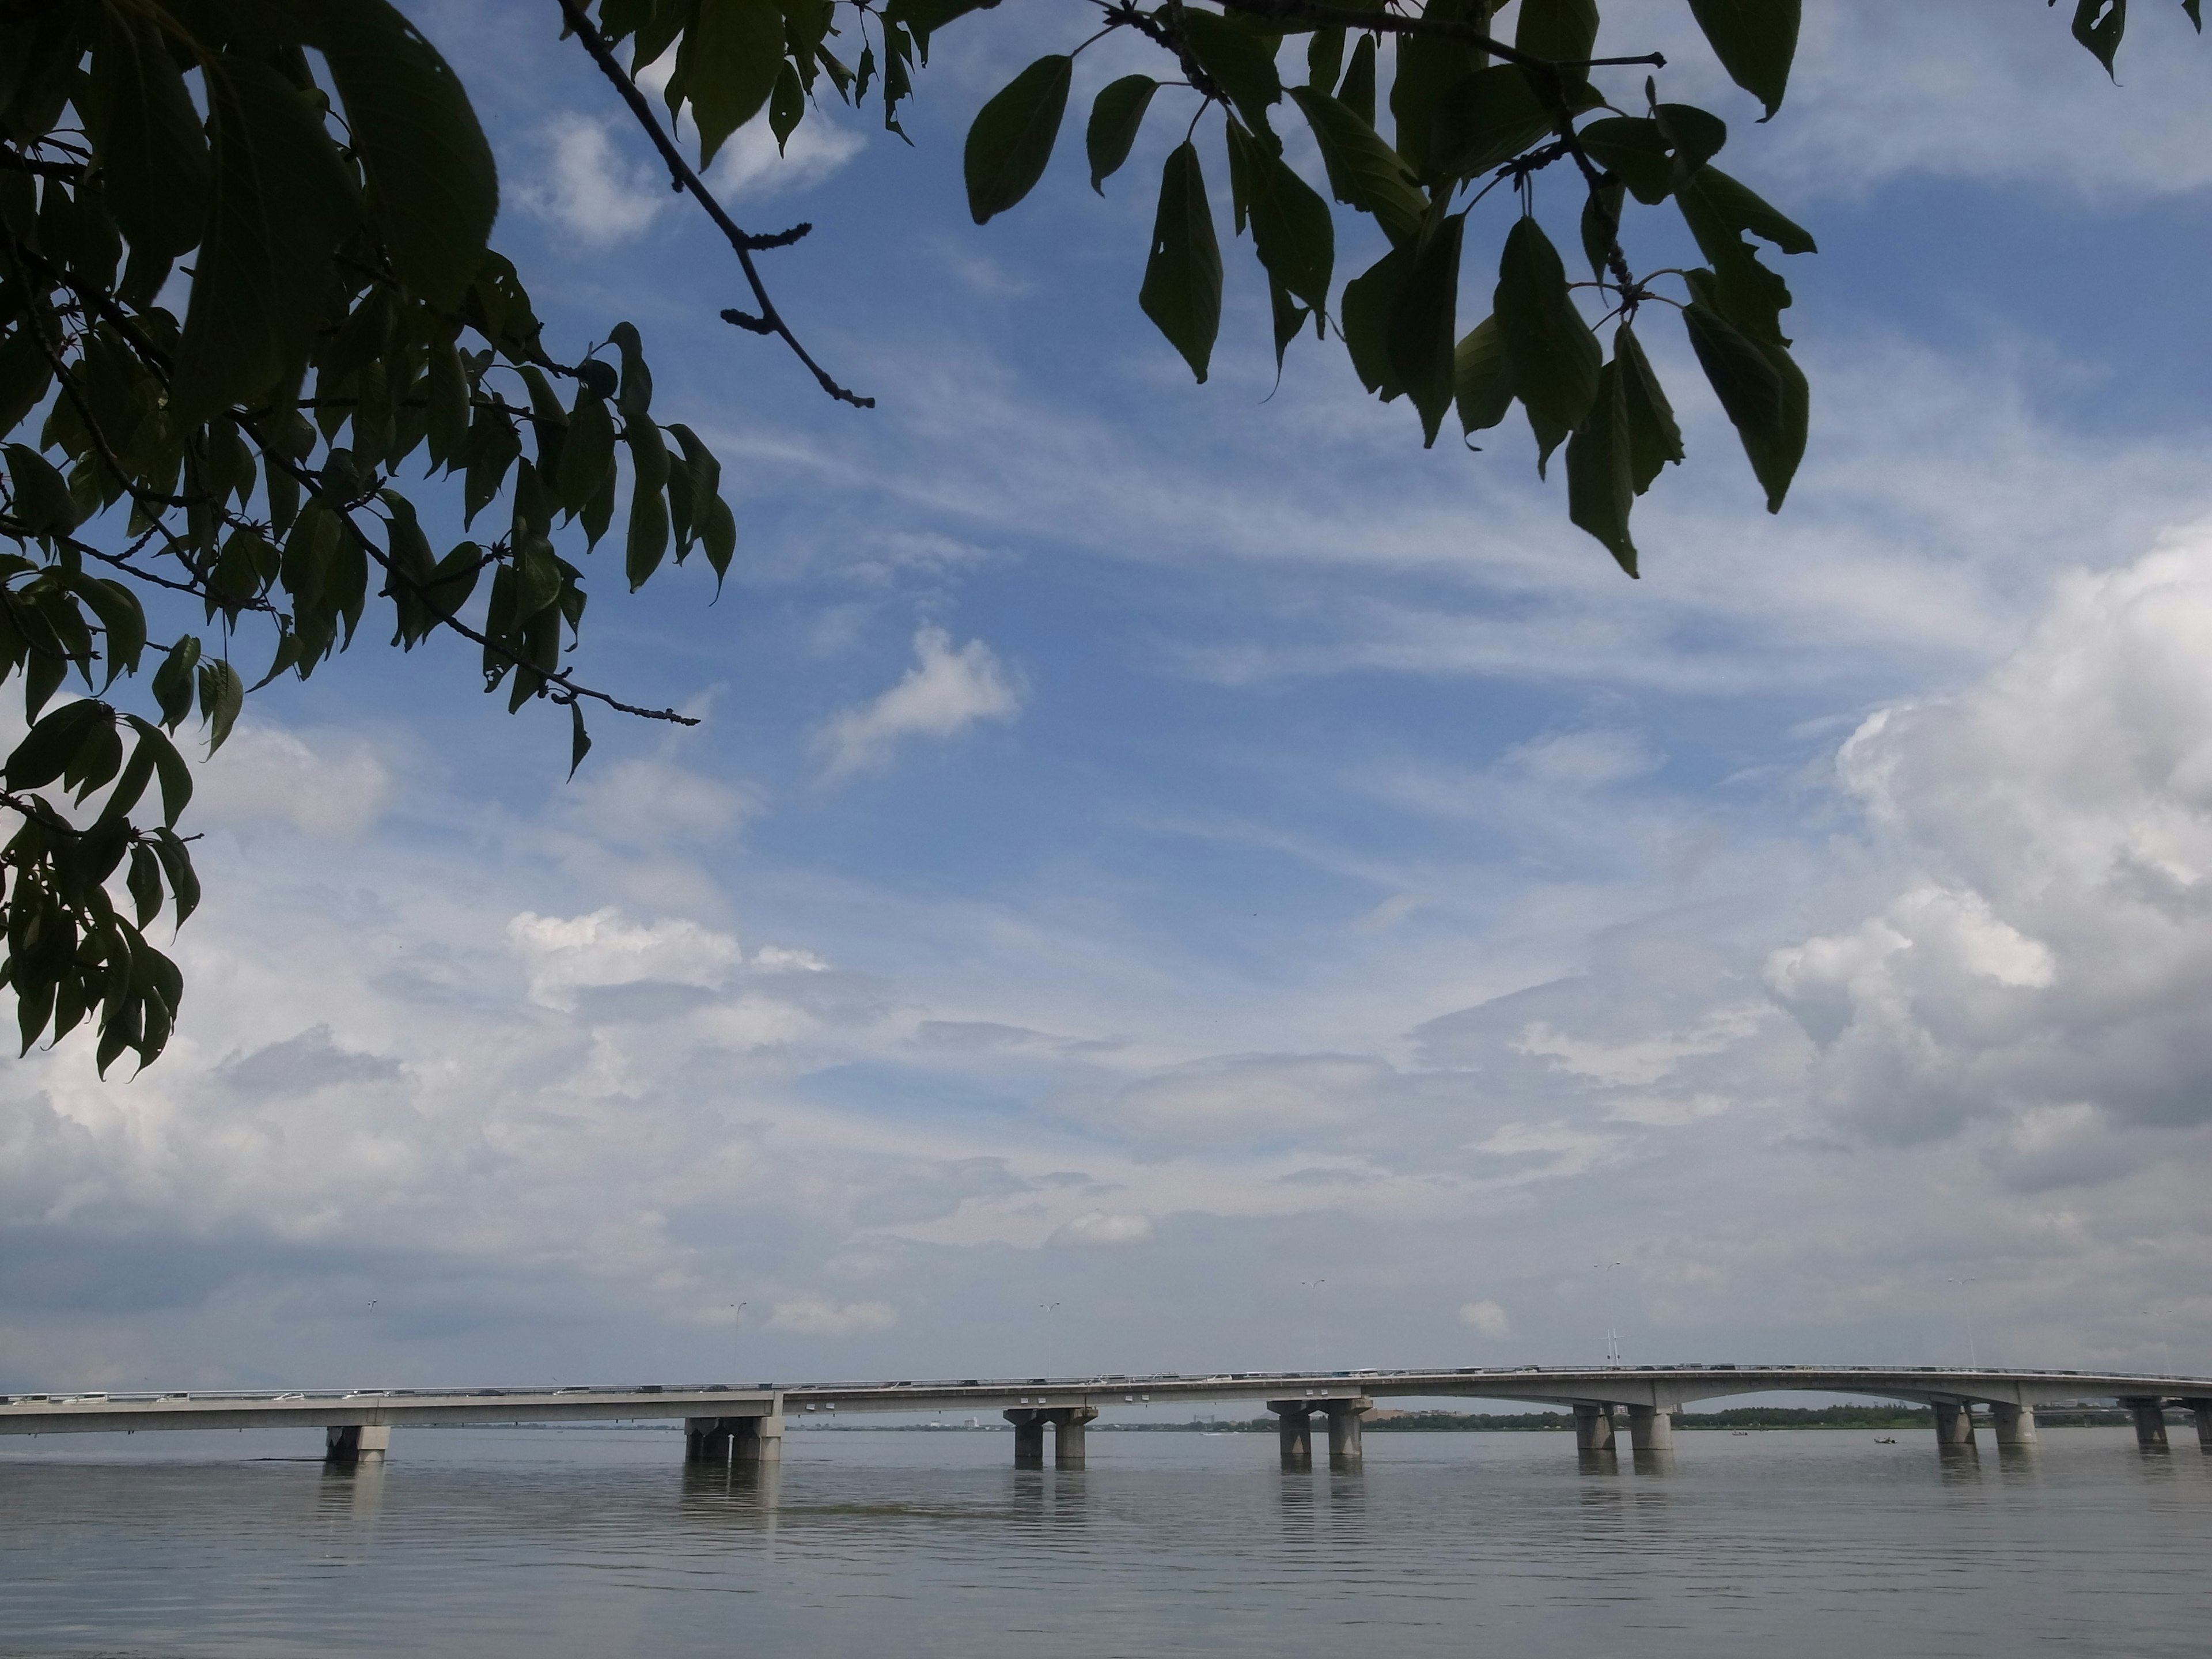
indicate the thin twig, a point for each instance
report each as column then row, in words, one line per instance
column 685, row 178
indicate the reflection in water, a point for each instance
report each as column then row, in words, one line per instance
column 496, row 1544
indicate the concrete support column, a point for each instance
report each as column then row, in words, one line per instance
column 2150, row 1413
column 1068, row 1424
column 1650, row 1430
column 757, row 1439
column 356, row 1445
column 726, row 1440
column 1029, row 1437
column 1294, row 1429
column 1592, row 1426
column 1344, row 1415
column 1955, row 1424
column 2203, row 1408
column 2015, row 1424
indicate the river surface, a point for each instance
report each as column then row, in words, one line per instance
column 599, row 1543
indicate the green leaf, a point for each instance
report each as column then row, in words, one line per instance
column 1363, row 316
column 144, row 884
column 1755, row 41
column 1632, row 148
column 635, row 397
column 1550, row 352
column 1430, row 70
column 1482, row 386
column 121, row 618
column 925, row 17
column 494, row 446
column 648, row 535
column 47, row 750
column 1601, row 225
column 1488, row 120
column 433, row 189
column 177, row 865
column 176, row 777
column 1288, row 316
column 1357, row 93
column 1115, row 115
column 1694, row 137
column 282, row 201
column 586, row 452
column 222, row 695
column 43, row 501
column 1422, row 323
column 152, row 149
column 2098, row 25
column 580, row 740
column 172, row 681
column 1365, row 172
column 728, row 65
column 1243, row 67
column 1325, row 57
column 1291, row 226
column 1654, row 439
column 1600, row 488
column 1711, row 201
column 1012, row 137
column 1762, row 391
column 1181, row 292
column 786, row 106
column 1561, row 31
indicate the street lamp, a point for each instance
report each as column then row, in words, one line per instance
column 1612, row 1328
column 1967, row 1307
column 737, row 1348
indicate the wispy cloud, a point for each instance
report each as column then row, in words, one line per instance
column 947, row 690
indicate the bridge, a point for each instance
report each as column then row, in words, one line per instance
column 725, row 1423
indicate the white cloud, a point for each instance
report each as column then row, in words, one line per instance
column 750, row 167
column 320, row 782
column 2048, row 948
column 592, row 190
column 647, row 801
column 1487, row 1317
column 563, row 954
column 1102, row 1227
column 814, row 1316
column 947, row 692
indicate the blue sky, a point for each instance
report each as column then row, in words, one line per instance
column 1171, row 876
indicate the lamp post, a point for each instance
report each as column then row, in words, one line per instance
column 1612, row 1325
column 1966, row 1310
column 737, row 1348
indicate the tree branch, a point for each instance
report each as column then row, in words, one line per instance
column 685, row 178
column 311, row 481
column 1384, row 23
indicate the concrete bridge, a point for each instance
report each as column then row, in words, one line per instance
column 725, row 1423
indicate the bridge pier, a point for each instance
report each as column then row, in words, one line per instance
column 1343, row 1448
column 733, row 1439
column 1029, row 1437
column 1650, row 1430
column 2015, row 1424
column 2149, row 1412
column 1294, row 1429
column 2203, row 1408
column 1068, row 1425
column 356, row 1445
column 1592, row 1426
column 1954, row 1423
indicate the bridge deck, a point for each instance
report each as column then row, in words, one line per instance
column 1665, row 1389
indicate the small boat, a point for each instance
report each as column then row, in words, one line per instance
column 1884, row 1440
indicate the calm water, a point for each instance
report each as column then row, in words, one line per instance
column 497, row 1544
